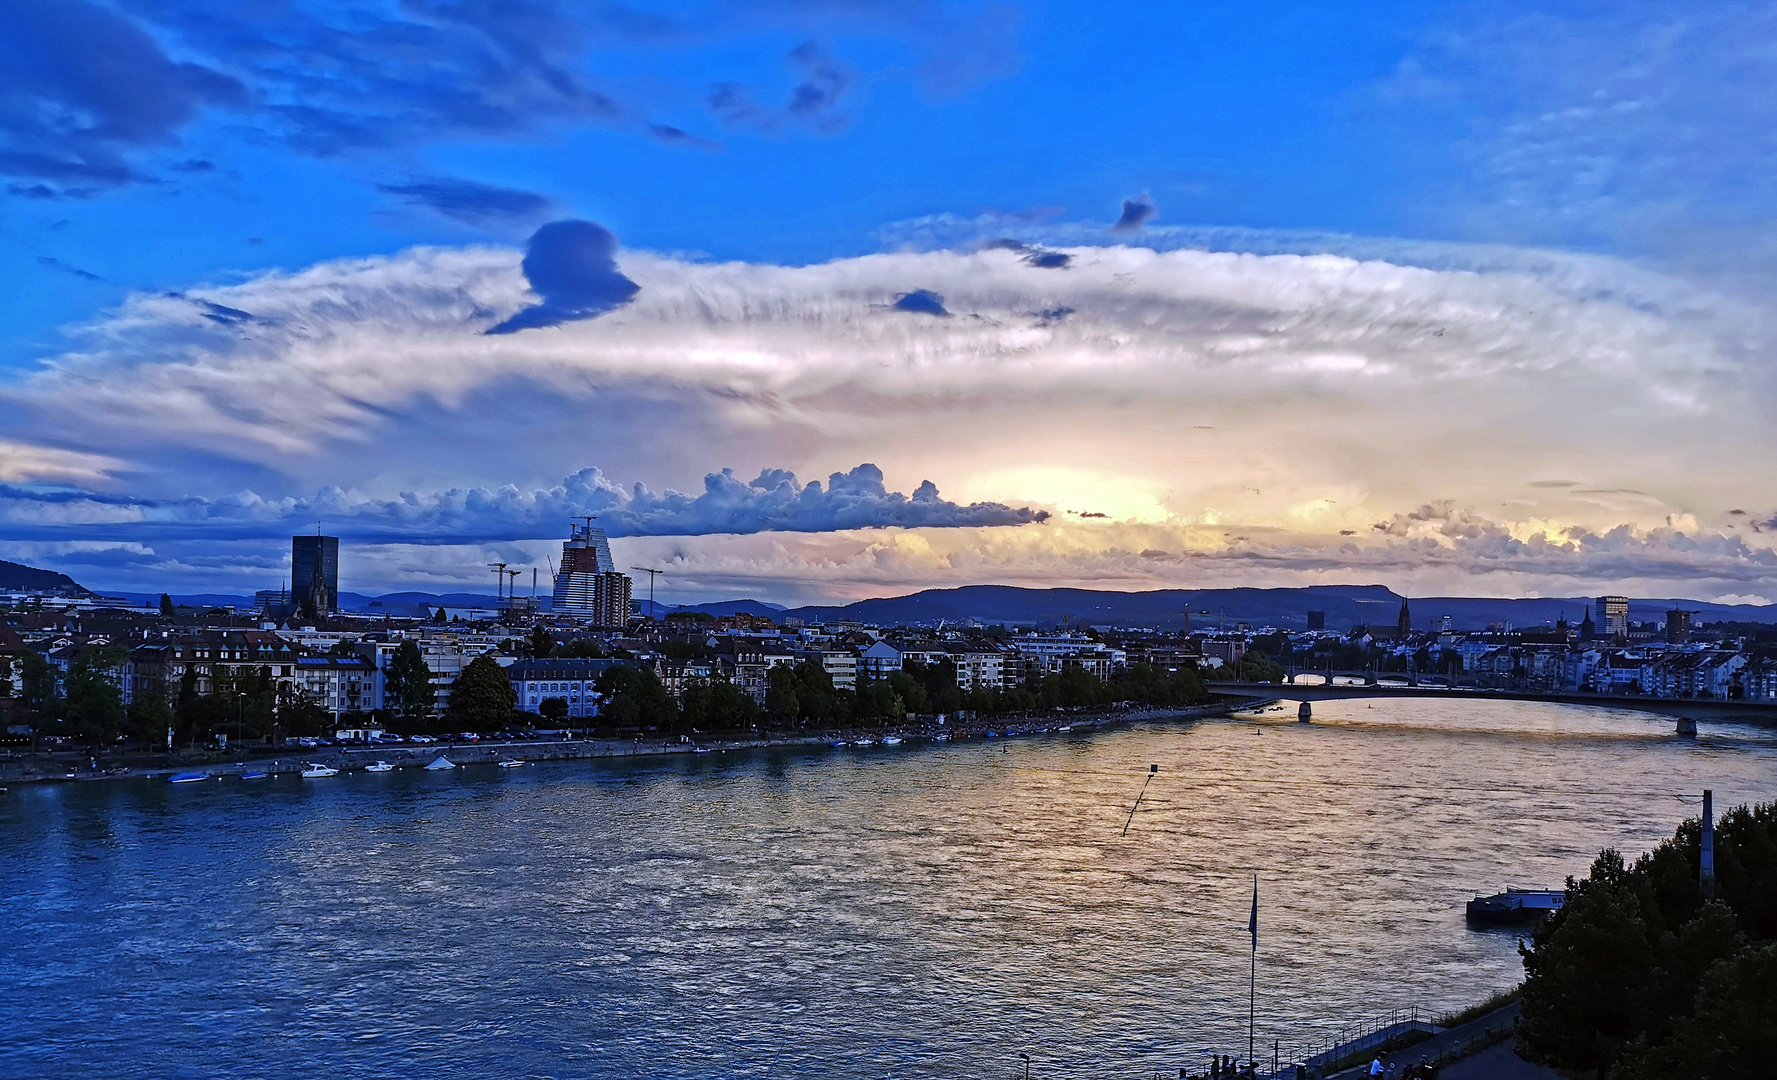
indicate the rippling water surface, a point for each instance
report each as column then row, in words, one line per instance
column 915, row 911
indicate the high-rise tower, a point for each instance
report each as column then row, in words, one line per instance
column 588, row 584
column 314, row 574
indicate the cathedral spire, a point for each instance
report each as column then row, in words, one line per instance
column 1405, row 623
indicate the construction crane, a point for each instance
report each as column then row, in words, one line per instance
column 499, row 569
column 652, row 574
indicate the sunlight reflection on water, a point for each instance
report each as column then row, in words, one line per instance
column 917, row 911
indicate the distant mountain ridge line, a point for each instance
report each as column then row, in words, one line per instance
column 1345, row 606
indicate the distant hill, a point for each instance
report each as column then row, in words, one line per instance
column 19, row 577
column 1345, row 606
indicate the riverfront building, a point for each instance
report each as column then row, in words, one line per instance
column 536, row 681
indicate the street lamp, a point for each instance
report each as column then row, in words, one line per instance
column 1026, row 1058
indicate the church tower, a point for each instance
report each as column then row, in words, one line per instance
column 1405, row 623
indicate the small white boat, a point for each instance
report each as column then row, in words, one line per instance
column 511, row 763
column 313, row 770
column 891, row 740
column 440, row 763
column 864, row 742
column 380, row 766
column 1065, row 727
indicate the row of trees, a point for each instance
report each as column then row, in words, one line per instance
column 248, row 704
column 1645, row 976
column 88, row 705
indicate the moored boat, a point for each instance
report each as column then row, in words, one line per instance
column 314, row 770
column 891, row 740
column 187, row 777
column 511, row 763
column 440, row 763
column 379, row 766
column 1514, row 906
column 255, row 774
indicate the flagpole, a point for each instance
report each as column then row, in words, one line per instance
column 1252, row 985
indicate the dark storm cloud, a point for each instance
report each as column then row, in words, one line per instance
column 1136, row 213
column 572, row 265
column 469, row 201
column 921, row 302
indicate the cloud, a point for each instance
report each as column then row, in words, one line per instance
column 1624, row 127
column 89, row 95
column 1137, row 212
column 56, row 264
column 824, row 81
column 572, row 265
column 675, row 136
column 469, row 201
column 775, row 501
column 921, row 302
column 1034, row 256
column 1147, row 384
column 82, row 87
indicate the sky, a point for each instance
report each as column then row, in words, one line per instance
column 828, row 299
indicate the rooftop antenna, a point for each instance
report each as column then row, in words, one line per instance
column 652, row 574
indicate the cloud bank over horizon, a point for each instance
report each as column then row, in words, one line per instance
column 1212, row 407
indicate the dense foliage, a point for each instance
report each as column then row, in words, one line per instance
column 407, row 687
column 1642, row 976
column 482, row 698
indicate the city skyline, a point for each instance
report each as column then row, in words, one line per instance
column 829, row 302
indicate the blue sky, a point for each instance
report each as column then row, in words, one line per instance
column 1500, row 161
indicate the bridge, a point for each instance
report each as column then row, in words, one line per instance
column 1396, row 684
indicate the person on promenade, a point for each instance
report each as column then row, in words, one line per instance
column 1375, row 1066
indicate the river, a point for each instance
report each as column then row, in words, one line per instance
column 916, row 911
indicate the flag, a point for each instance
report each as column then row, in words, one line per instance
column 1253, row 923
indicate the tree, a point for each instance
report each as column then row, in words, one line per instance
column 632, row 697
column 553, row 709
column 438, row 616
column 1641, row 975
column 42, row 699
column 780, row 694
column 95, row 696
column 407, row 682
column 148, row 717
column 1255, row 666
column 167, row 609
column 1732, row 1036
column 541, row 645
column 482, row 698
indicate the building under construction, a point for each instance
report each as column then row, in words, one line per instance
column 588, row 585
